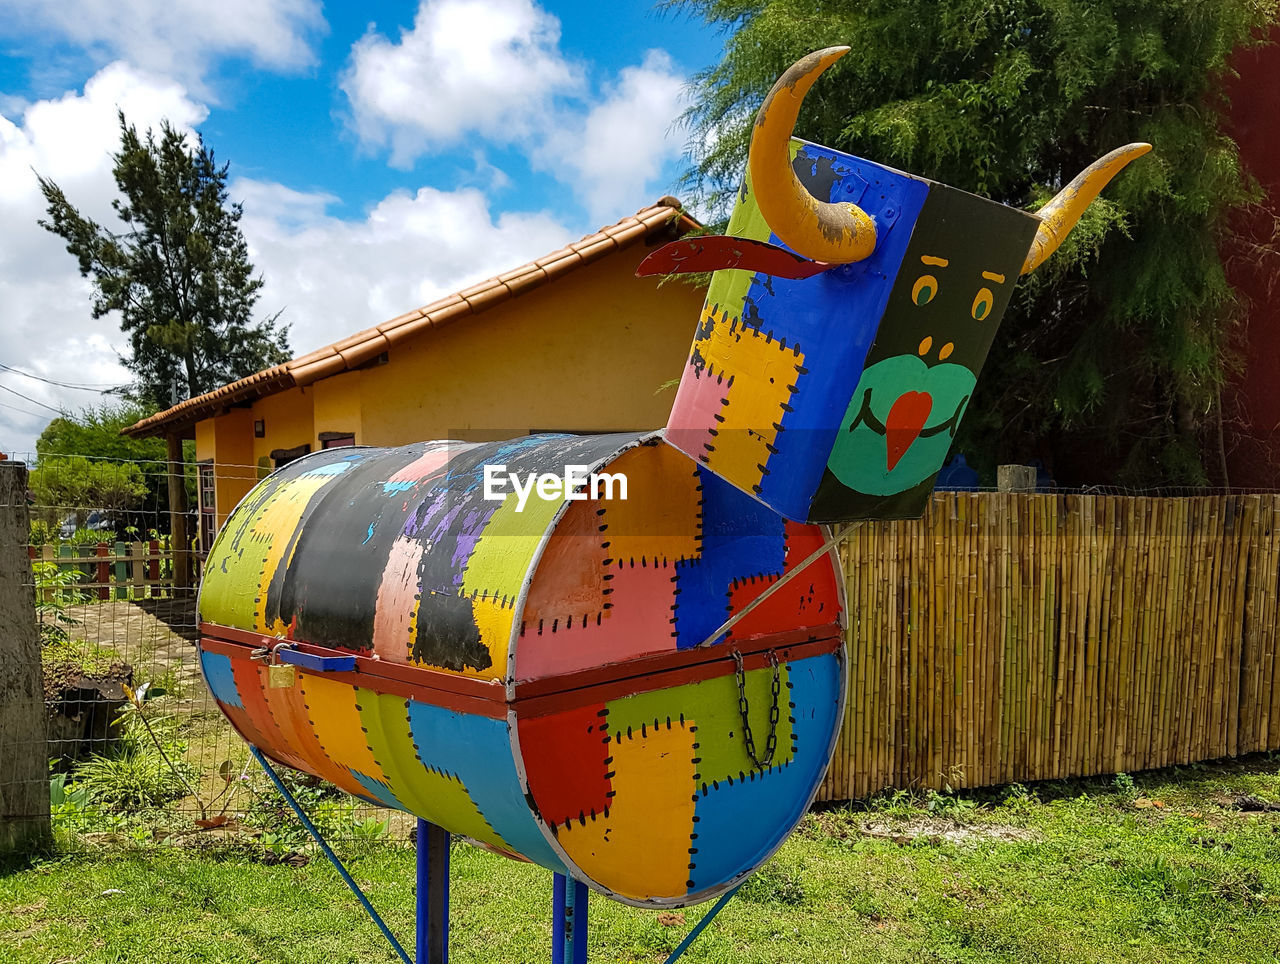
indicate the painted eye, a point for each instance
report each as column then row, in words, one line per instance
column 982, row 302
column 923, row 291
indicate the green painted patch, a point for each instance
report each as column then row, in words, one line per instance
column 713, row 706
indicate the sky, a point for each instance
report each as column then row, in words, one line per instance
column 386, row 153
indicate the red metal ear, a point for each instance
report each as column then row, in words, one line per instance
column 718, row 252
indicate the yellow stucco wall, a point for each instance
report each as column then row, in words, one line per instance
column 234, row 469
column 288, row 419
column 589, row 351
column 227, row 441
column 336, row 404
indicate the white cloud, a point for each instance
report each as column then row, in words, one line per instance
column 333, row 277
column 493, row 70
column 617, row 150
column 45, row 323
column 176, row 37
column 487, row 67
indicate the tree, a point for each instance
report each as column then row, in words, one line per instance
column 65, row 487
column 1110, row 361
column 95, row 432
column 71, row 445
column 179, row 272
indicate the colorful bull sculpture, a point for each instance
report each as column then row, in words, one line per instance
column 550, row 674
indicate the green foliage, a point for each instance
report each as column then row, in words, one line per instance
column 41, row 534
column 55, row 592
column 94, row 433
column 1073, row 879
column 178, row 275
column 144, row 769
column 1110, row 359
column 64, row 486
column 775, row 883
column 133, row 776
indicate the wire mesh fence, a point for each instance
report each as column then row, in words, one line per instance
column 141, row 754
column 139, row 751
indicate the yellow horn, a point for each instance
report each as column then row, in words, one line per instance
column 1060, row 215
column 819, row 230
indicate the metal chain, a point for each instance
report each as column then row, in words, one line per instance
column 744, row 709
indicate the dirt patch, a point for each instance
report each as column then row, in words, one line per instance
column 935, row 831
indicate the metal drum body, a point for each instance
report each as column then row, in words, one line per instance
column 534, row 679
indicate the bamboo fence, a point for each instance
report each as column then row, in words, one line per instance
column 1009, row 638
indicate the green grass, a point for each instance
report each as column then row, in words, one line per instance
column 1072, row 872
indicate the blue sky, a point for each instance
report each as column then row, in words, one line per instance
column 386, row 153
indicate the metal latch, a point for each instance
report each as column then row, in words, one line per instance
column 283, row 660
column 280, row 675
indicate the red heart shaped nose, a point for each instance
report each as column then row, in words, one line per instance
column 905, row 421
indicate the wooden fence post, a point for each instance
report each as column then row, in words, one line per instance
column 181, row 540
column 24, row 749
column 1016, row 478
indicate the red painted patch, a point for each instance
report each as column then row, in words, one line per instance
column 905, row 422
column 809, row 600
column 566, row 758
column 715, row 253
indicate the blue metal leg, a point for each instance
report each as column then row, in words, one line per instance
column 707, row 918
column 558, row 890
column 570, row 909
column 577, row 926
column 328, row 852
column 433, row 894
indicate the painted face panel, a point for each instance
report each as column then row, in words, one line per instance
column 769, row 373
column 950, row 293
column 836, row 397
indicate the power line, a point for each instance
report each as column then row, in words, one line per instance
column 33, row 401
column 50, row 381
column 22, row 410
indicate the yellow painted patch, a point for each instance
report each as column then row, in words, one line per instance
column 763, row 372
column 494, row 622
column 431, row 794
column 279, row 519
column 235, row 589
column 641, row 848
column 335, row 717
column 659, row 519
column 290, row 713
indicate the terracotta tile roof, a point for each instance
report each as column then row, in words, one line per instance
column 364, row 346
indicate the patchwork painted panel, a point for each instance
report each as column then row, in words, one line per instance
column 850, row 313
column 547, row 678
column 836, row 397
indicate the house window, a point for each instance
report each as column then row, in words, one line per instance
column 333, row 440
column 285, row 456
column 208, row 507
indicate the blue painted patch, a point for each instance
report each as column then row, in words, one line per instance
column 741, row 538
column 739, row 823
column 477, row 750
column 333, row 468
column 378, row 790
column 221, row 679
column 832, row 319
